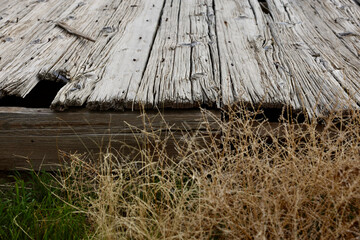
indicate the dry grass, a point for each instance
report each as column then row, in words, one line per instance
column 249, row 182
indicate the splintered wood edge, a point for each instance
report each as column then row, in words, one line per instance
column 199, row 48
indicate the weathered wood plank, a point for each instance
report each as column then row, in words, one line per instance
column 12, row 11
column 124, row 70
column 248, row 72
column 85, row 63
column 36, row 43
column 343, row 18
column 94, row 64
column 310, row 53
column 180, row 54
column 341, row 31
column 183, row 69
column 38, row 134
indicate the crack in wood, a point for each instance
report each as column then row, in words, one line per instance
column 182, row 54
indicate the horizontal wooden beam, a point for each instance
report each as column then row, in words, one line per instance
column 33, row 137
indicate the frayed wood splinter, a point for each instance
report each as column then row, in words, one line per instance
column 73, row 31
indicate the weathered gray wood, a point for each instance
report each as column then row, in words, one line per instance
column 296, row 63
column 183, row 69
column 170, row 53
column 85, row 63
column 313, row 54
column 248, row 69
column 38, row 134
column 35, row 43
column 123, row 72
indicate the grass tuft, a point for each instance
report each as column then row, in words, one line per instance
column 32, row 207
column 248, row 180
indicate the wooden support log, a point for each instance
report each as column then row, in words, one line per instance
column 35, row 136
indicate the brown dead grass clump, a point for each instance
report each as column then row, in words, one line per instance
column 244, row 181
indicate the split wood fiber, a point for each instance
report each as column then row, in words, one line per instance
column 182, row 54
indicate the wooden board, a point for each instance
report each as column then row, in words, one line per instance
column 183, row 69
column 314, row 56
column 247, row 65
column 38, row 138
column 181, row 54
column 37, row 135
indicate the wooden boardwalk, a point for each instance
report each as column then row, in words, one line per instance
column 117, row 54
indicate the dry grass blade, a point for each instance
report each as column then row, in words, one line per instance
column 297, row 181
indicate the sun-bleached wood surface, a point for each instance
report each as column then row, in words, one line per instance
column 182, row 54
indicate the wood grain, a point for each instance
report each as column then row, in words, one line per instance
column 36, row 138
column 182, row 54
column 183, row 69
column 73, row 31
column 37, row 135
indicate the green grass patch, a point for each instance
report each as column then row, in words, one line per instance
column 33, row 206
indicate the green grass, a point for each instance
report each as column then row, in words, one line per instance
column 31, row 209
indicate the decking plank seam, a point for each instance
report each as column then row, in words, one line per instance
column 176, row 54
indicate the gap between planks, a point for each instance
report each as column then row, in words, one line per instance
column 183, row 54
